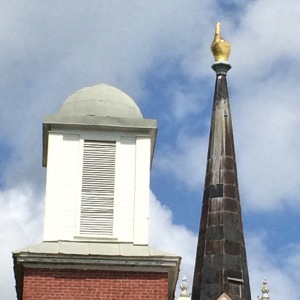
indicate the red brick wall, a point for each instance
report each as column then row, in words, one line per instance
column 93, row 284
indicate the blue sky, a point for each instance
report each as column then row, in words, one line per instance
column 158, row 52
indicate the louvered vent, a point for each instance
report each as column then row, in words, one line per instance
column 97, row 194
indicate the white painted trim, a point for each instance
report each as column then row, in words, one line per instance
column 224, row 296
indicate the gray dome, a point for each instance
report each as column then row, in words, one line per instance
column 100, row 100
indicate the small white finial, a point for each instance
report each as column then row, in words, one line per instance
column 265, row 291
column 184, row 290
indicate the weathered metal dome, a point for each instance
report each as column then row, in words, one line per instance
column 100, row 100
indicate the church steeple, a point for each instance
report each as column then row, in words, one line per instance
column 221, row 266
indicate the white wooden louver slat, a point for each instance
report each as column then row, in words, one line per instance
column 97, row 192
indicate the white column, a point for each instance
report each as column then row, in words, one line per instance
column 141, row 201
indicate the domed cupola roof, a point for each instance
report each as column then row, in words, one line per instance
column 99, row 108
column 100, row 100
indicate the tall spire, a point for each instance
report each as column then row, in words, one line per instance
column 221, row 266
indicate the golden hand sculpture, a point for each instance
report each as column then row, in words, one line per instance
column 220, row 47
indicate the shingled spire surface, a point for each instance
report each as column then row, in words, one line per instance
column 221, row 265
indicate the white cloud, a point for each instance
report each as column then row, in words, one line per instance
column 278, row 269
column 180, row 161
column 51, row 50
column 21, row 225
column 267, row 33
column 176, row 239
column 266, row 124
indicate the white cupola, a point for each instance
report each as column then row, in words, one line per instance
column 98, row 151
